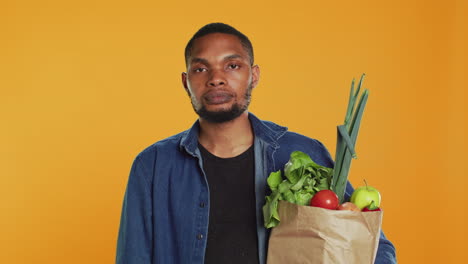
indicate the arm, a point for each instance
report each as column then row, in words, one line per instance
column 134, row 245
column 386, row 251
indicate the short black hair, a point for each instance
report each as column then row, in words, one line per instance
column 219, row 28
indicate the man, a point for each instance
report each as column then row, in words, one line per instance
column 197, row 197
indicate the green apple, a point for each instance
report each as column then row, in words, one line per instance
column 365, row 196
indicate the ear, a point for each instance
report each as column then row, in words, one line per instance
column 255, row 75
column 184, row 82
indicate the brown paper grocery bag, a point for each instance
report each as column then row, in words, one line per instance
column 315, row 235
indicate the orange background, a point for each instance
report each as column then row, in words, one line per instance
column 86, row 85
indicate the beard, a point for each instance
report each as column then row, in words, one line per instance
column 224, row 115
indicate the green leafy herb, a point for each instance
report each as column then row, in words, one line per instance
column 303, row 178
column 274, row 180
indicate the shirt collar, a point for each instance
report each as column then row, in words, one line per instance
column 269, row 132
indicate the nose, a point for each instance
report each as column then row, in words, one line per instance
column 216, row 79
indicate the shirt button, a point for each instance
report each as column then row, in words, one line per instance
column 199, row 236
column 202, row 204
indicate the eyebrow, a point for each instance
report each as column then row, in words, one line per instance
column 234, row 56
column 200, row 60
column 204, row 61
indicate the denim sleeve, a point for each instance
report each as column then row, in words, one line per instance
column 386, row 251
column 134, row 244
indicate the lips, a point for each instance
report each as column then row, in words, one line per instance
column 217, row 97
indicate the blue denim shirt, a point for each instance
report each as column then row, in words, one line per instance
column 165, row 214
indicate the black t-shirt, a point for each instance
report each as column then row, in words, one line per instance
column 232, row 230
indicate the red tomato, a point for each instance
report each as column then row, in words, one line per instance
column 325, row 199
column 369, row 210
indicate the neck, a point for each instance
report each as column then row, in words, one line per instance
column 228, row 139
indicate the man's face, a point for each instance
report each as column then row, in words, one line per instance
column 219, row 77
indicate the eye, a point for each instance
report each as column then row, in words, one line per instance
column 199, row 69
column 233, row 66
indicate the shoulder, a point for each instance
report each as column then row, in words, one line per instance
column 167, row 146
column 292, row 141
column 287, row 141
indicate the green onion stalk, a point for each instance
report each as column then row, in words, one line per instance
column 346, row 139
